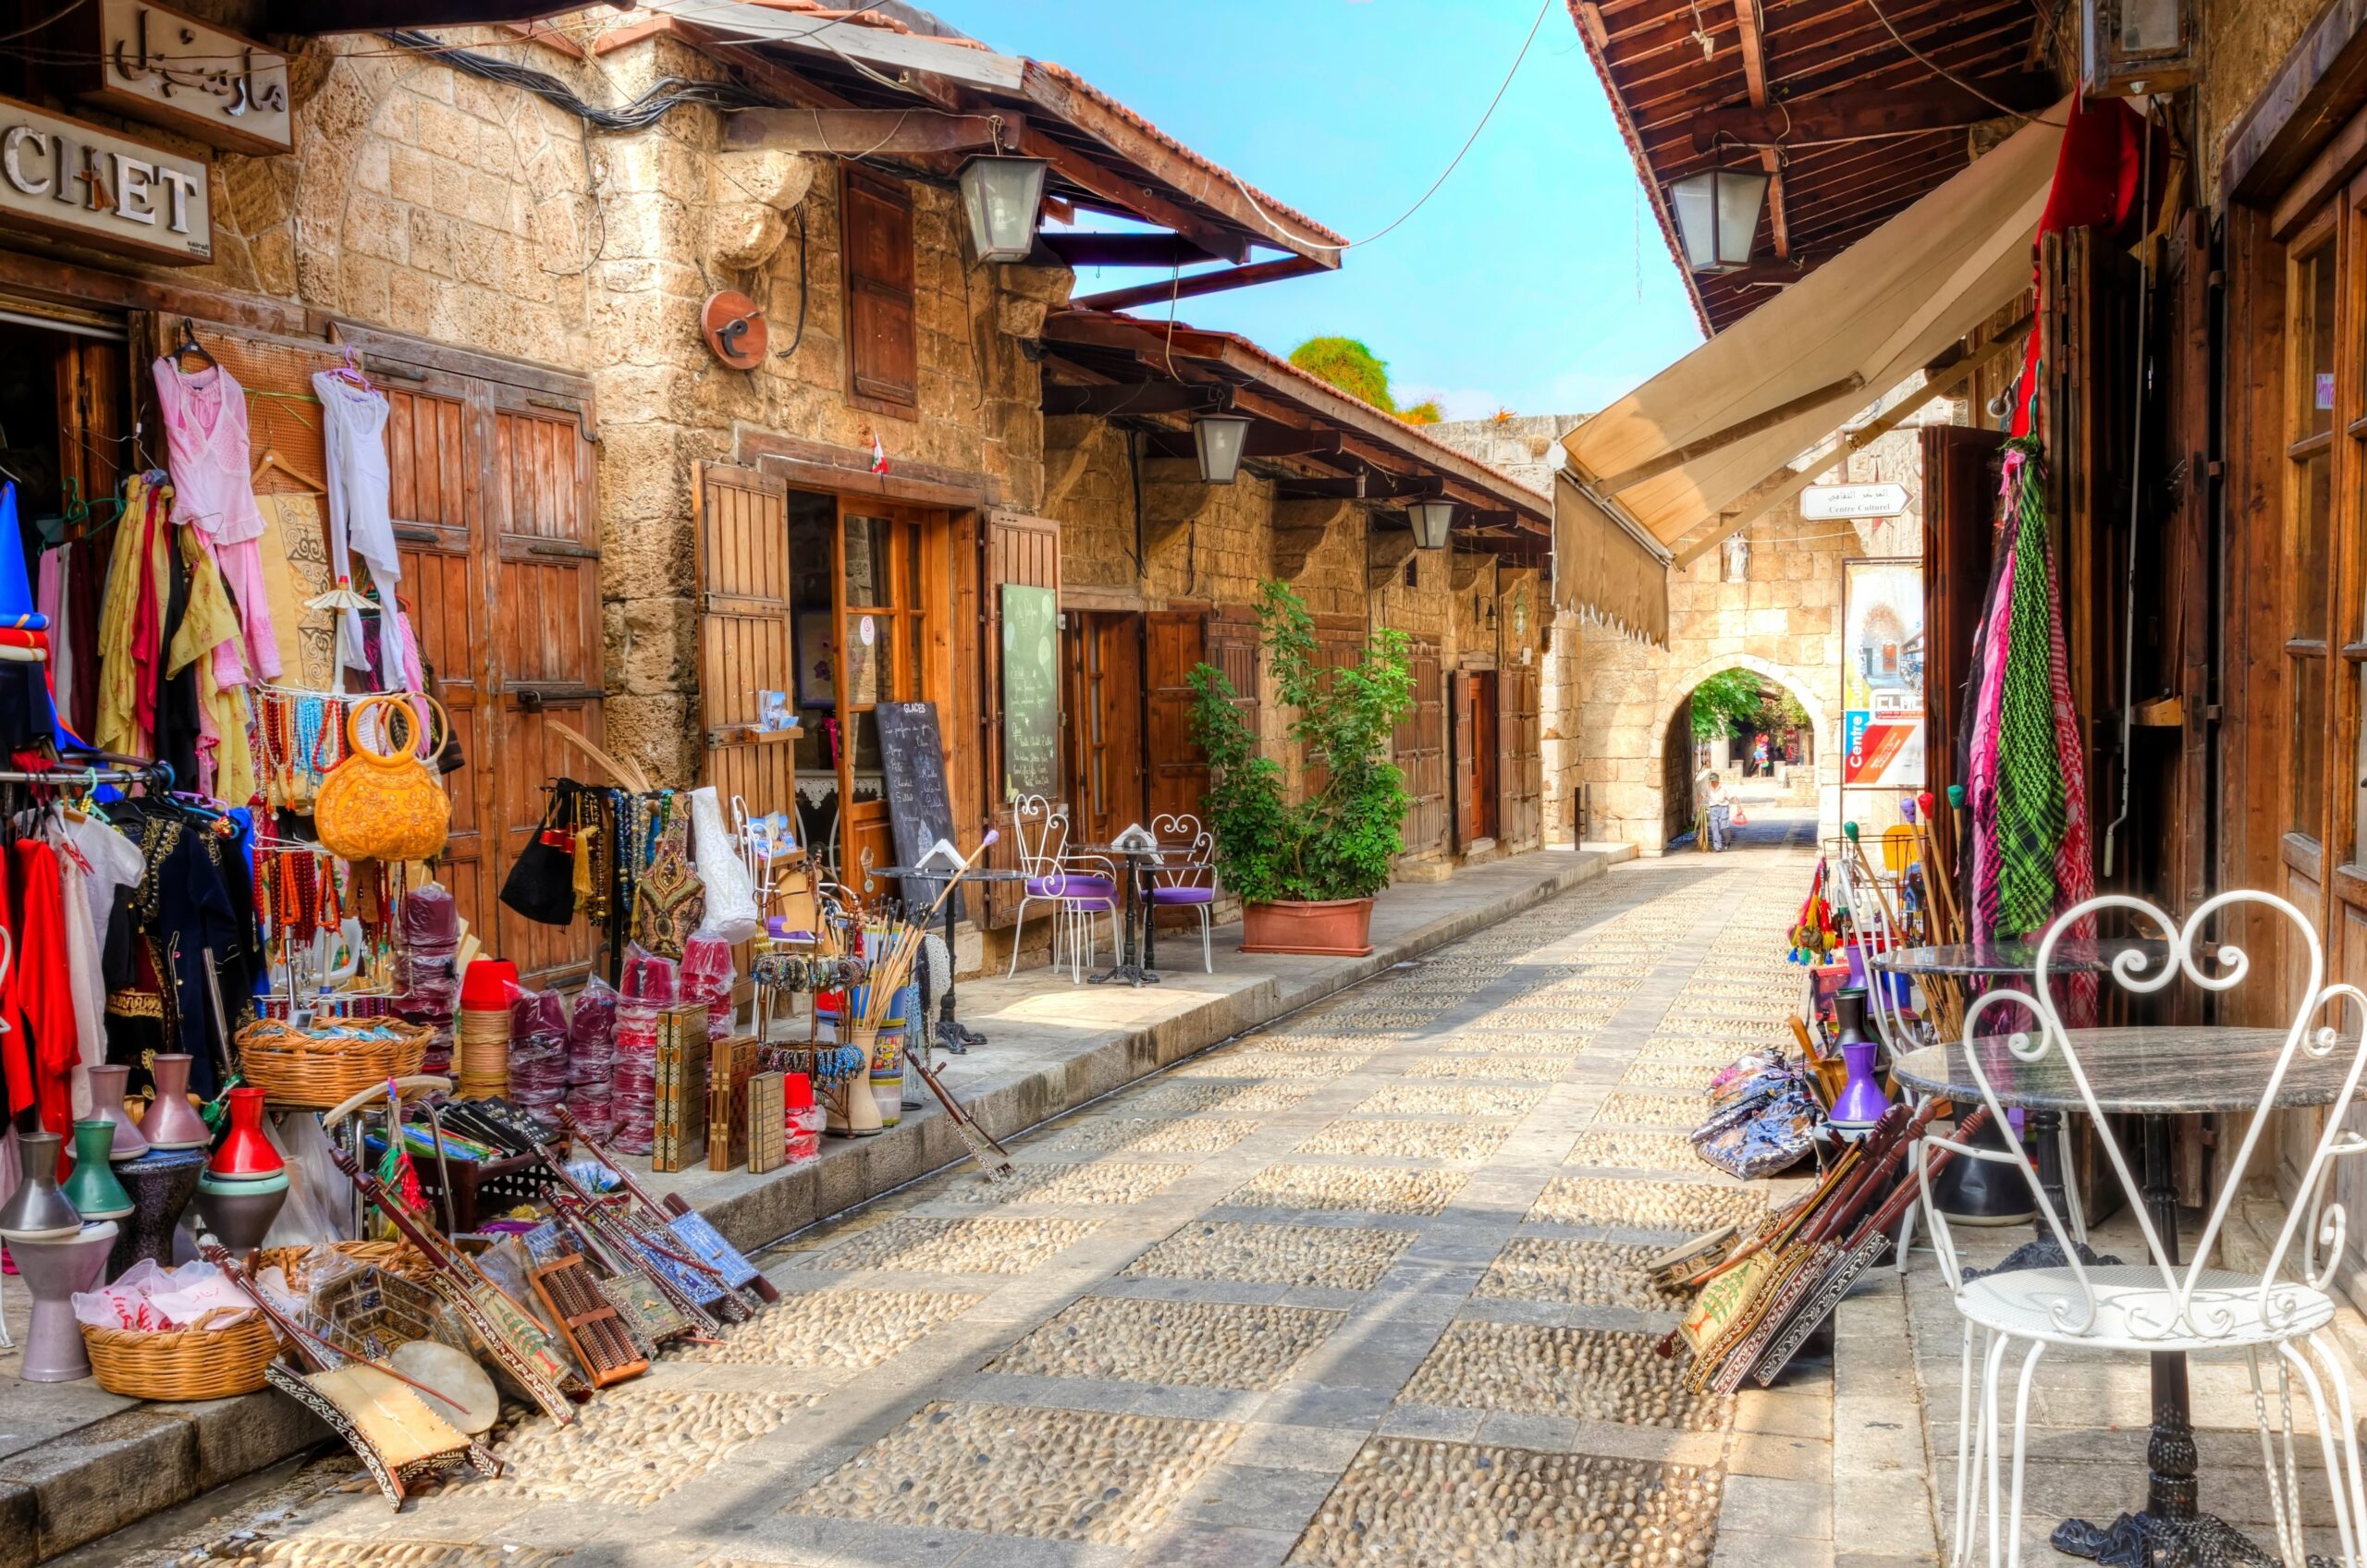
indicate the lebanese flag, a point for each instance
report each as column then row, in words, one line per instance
column 879, row 455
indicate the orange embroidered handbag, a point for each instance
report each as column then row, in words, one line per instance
column 388, row 804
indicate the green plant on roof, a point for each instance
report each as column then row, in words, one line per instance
column 1348, row 365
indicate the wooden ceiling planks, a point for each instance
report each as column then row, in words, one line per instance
column 1765, row 52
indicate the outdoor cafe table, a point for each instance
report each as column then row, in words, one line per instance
column 2156, row 1072
column 1135, row 958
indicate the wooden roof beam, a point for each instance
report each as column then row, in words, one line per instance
column 1193, row 285
column 847, row 133
column 1850, row 116
column 1136, row 397
column 1754, row 76
column 1114, row 187
column 1090, row 249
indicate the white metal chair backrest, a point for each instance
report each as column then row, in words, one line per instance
column 1871, row 933
column 2189, row 1311
column 1038, row 827
column 1188, row 866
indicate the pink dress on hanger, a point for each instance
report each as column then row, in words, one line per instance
column 205, row 440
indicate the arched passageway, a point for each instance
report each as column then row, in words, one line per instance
column 1760, row 735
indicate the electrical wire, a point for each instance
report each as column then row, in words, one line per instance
column 667, row 94
column 1946, row 75
column 70, row 7
column 1300, row 239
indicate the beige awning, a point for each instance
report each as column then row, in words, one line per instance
column 1606, row 569
column 1723, row 418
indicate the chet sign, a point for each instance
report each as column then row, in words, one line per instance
column 75, row 181
column 1825, row 503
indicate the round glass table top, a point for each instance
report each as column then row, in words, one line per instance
column 2018, row 957
column 2161, row 1070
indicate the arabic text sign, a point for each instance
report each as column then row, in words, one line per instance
column 77, row 182
column 1827, row 503
column 157, row 65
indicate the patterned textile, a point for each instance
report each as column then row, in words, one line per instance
column 1982, row 776
column 2031, row 807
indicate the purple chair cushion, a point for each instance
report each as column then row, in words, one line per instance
column 1072, row 886
column 1183, row 895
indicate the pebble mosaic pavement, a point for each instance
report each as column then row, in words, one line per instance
column 1357, row 1292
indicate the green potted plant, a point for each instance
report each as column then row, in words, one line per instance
column 1306, row 871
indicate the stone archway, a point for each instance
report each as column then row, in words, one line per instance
column 1676, row 773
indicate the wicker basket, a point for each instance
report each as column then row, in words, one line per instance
column 182, row 1363
column 395, row 1257
column 321, row 1067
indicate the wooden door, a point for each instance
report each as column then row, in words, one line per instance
column 1519, row 750
column 1418, row 747
column 1104, row 728
column 1959, row 511
column 742, row 570
column 884, row 631
column 1339, row 644
column 1486, row 744
column 1174, row 643
column 1025, row 551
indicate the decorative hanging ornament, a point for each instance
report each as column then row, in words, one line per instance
column 732, row 325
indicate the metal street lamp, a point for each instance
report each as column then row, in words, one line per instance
column 1219, row 439
column 1001, row 196
column 1717, row 217
column 1430, row 521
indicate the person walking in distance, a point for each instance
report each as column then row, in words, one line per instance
column 1719, row 806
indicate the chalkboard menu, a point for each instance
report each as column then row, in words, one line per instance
column 1031, row 692
column 920, row 812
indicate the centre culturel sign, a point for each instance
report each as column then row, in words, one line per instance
column 1825, row 503
column 157, row 65
column 74, row 181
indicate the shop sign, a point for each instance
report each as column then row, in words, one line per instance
column 159, row 66
column 1831, row 503
column 75, row 181
column 1881, row 674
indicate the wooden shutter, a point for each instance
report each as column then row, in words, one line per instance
column 2187, row 567
column 883, row 359
column 1467, row 771
column 1175, row 642
column 1420, row 748
column 1339, row 642
column 1521, row 761
column 1025, row 550
column 1231, row 646
column 1959, row 511
column 743, row 566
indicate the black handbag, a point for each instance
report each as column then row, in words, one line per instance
column 541, row 884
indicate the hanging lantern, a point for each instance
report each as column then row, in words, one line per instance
column 1717, row 217
column 1219, row 439
column 1001, row 196
column 1430, row 521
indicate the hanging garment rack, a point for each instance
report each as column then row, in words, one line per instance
column 153, row 773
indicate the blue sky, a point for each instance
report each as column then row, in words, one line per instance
column 1518, row 286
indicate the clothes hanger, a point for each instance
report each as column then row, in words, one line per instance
column 272, row 460
column 188, row 344
column 349, row 371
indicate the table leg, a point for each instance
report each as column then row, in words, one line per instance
column 2046, row 1134
column 2172, row 1531
column 1150, row 925
column 951, row 1032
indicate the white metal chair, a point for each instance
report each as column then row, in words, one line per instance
column 1186, row 877
column 1077, row 886
column 2158, row 1305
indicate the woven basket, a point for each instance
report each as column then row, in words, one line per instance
column 395, row 1257
column 182, row 1363
column 322, row 1067
column 480, row 1051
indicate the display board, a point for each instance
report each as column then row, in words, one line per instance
column 1881, row 674
column 1031, row 692
column 920, row 810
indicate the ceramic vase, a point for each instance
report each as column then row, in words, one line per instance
column 172, row 1123
column 54, row 1271
column 106, row 1105
column 92, row 1189
column 161, row 1184
column 1861, row 1101
column 238, row 1214
column 245, row 1153
column 38, row 1209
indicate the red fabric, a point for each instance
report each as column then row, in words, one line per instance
column 44, row 996
column 147, row 621
column 2099, row 183
column 15, row 1049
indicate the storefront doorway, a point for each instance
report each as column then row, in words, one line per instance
column 1104, row 701
column 862, row 575
column 1476, row 772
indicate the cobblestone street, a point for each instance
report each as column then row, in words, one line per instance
column 1357, row 1289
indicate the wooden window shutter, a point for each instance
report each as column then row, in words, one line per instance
column 1419, row 746
column 1175, row 643
column 1026, row 551
column 883, row 354
column 743, row 568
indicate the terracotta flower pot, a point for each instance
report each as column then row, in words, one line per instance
column 1329, row 928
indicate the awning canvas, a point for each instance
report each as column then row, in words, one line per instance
column 1792, row 371
column 1605, row 568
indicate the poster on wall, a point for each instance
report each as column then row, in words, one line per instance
column 1031, row 692
column 1881, row 674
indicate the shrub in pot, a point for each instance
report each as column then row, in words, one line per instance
column 1306, row 871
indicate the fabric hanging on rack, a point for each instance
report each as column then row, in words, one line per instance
column 40, row 977
column 84, row 987
column 50, row 601
column 226, row 767
column 730, row 893
column 131, row 618
column 27, row 714
column 294, row 571
column 354, row 420
column 205, row 437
